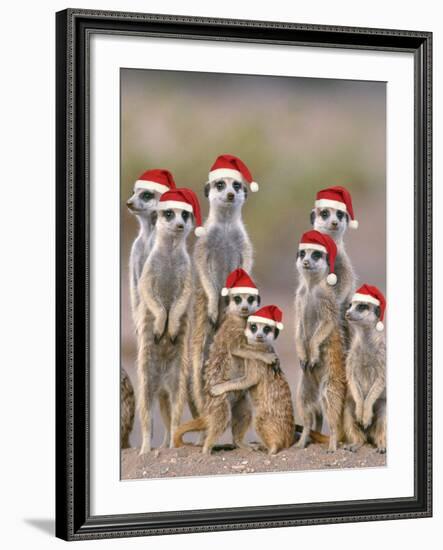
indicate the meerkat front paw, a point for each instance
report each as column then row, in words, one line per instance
column 367, row 418
column 381, row 450
column 359, row 413
column 158, row 337
column 313, row 363
column 272, row 359
column 216, row 390
column 160, row 328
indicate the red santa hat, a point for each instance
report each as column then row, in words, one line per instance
column 155, row 180
column 239, row 282
column 229, row 166
column 372, row 295
column 185, row 199
column 339, row 198
column 314, row 240
column 271, row 315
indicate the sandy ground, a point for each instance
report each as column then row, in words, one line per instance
column 188, row 461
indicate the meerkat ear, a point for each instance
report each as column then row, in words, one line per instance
column 276, row 333
column 207, row 189
column 312, row 216
column 227, row 300
column 347, row 218
column 377, row 311
column 154, row 217
column 258, row 300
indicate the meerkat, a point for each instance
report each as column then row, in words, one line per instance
column 165, row 288
column 222, row 365
column 127, row 408
column 318, row 339
column 142, row 204
column 332, row 215
column 224, row 247
column 268, row 388
column 365, row 406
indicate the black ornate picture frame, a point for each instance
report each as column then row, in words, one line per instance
column 73, row 517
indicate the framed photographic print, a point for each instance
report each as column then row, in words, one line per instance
column 243, row 274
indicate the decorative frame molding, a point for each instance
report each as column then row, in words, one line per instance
column 73, row 31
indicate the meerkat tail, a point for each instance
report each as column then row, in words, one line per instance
column 196, row 425
column 317, row 437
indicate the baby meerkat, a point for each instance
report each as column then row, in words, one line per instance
column 127, row 408
column 267, row 385
column 224, row 247
column 332, row 215
column 318, row 339
column 165, row 290
column 365, row 407
column 242, row 299
column 143, row 205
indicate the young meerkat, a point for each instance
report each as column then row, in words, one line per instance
column 364, row 417
column 143, row 204
column 332, row 215
column 127, row 408
column 224, row 247
column 165, row 288
column 318, row 339
column 267, row 385
column 222, row 364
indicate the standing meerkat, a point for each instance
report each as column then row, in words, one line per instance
column 333, row 213
column 143, row 204
column 318, row 338
column 224, row 247
column 127, row 408
column 165, row 288
column 222, row 365
column 365, row 406
column 268, row 388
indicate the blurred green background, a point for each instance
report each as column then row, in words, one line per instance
column 296, row 135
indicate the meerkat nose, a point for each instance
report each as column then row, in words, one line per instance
column 231, row 196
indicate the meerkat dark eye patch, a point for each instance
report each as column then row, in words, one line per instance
column 362, row 307
column 251, row 299
column 185, row 215
column 220, row 185
column 146, row 196
column 253, row 328
column 340, row 215
column 316, row 255
column 324, row 213
column 169, row 214
column 237, row 300
column 236, row 186
column 377, row 311
column 312, row 217
column 302, row 254
column 267, row 329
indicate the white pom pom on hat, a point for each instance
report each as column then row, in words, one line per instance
column 353, row 224
column 331, row 279
column 225, row 291
column 379, row 326
column 254, row 186
column 199, row 231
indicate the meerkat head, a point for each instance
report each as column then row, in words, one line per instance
column 148, row 189
column 261, row 333
column 175, row 222
column 331, row 221
column 311, row 262
column 333, row 212
column 226, row 193
column 242, row 304
column 143, row 202
column 363, row 313
column 367, row 308
column 264, row 326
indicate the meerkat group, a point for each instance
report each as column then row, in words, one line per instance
column 202, row 337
